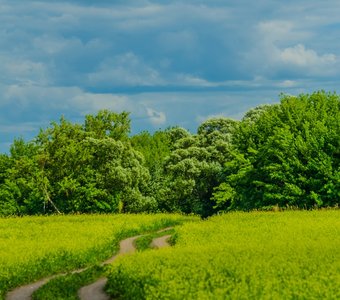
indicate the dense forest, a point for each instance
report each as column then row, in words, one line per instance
column 282, row 155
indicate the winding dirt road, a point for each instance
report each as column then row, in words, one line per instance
column 94, row 291
column 25, row 292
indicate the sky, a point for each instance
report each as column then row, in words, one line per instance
column 166, row 62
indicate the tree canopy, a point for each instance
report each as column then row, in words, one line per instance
column 286, row 154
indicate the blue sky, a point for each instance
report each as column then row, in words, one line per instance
column 166, row 62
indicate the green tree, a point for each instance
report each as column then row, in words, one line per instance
column 195, row 165
column 108, row 124
column 20, row 192
column 76, row 168
column 288, row 155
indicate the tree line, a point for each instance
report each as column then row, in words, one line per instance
column 285, row 154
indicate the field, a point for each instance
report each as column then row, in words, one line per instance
column 34, row 247
column 259, row 255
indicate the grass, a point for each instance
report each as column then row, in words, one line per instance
column 35, row 247
column 143, row 243
column 258, row 255
column 66, row 287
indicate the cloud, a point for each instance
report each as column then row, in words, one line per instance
column 302, row 57
column 156, row 117
column 279, row 53
column 20, row 70
column 127, row 70
column 167, row 62
column 26, row 108
column 280, row 32
column 30, row 102
column 303, row 62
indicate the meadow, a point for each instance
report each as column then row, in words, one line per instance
column 257, row 255
column 34, row 247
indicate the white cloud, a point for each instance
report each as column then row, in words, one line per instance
column 287, row 84
column 52, row 45
column 20, row 70
column 91, row 102
column 302, row 57
column 63, row 99
column 281, row 31
column 31, row 105
column 156, row 117
column 279, row 51
column 125, row 70
column 191, row 80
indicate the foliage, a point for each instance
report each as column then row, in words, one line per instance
column 288, row 155
column 35, row 247
column 256, row 255
column 77, row 168
column 195, row 165
column 155, row 149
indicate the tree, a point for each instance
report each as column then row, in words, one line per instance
column 288, row 155
column 195, row 165
column 76, row 168
column 19, row 189
column 108, row 124
column 92, row 167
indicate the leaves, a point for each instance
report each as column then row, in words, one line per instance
column 292, row 149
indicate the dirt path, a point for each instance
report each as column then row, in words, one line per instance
column 161, row 242
column 94, row 291
column 25, row 292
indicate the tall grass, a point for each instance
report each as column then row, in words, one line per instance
column 34, row 247
column 259, row 255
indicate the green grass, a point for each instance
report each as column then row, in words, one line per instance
column 35, row 247
column 143, row 243
column 258, row 255
column 66, row 287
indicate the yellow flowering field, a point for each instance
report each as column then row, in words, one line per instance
column 33, row 247
column 257, row 255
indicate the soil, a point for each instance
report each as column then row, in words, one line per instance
column 25, row 292
column 161, row 242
